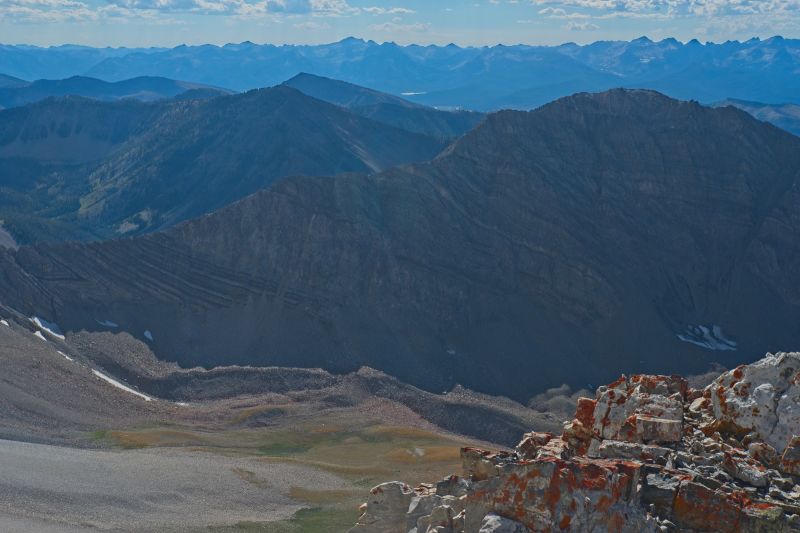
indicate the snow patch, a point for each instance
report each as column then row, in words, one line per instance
column 107, row 323
column 412, row 93
column 120, row 386
column 710, row 338
column 5, row 323
column 65, row 356
column 49, row 327
column 148, row 335
column 39, row 334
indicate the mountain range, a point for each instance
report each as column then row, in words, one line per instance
column 18, row 93
column 786, row 116
column 84, row 169
column 598, row 234
column 387, row 108
column 479, row 78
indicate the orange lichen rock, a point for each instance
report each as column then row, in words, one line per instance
column 647, row 455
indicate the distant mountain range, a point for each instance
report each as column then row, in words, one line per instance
column 602, row 233
column 14, row 93
column 786, row 116
column 10, row 82
column 387, row 108
column 485, row 78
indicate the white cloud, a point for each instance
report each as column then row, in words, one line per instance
column 681, row 7
column 581, row 26
column 316, row 8
column 713, row 18
column 396, row 27
column 388, row 10
column 312, row 25
column 53, row 11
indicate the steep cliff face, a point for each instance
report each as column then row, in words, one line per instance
column 598, row 234
column 647, row 454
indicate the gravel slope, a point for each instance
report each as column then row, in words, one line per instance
column 50, row 488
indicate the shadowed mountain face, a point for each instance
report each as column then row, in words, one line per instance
column 83, row 169
column 786, row 116
column 599, row 234
column 47, row 150
column 201, row 157
column 73, row 129
column 387, row 108
column 145, row 88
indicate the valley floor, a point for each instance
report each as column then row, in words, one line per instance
column 223, row 451
column 44, row 487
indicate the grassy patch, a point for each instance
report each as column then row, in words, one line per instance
column 315, row 520
column 256, row 412
column 132, row 440
column 101, row 435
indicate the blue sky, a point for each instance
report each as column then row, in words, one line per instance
column 173, row 22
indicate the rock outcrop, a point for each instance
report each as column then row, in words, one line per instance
column 647, row 454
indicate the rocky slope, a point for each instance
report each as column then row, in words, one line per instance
column 58, row 388
column 648, row 453
column 596, row 235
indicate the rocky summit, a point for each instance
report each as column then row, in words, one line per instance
column 648, row 453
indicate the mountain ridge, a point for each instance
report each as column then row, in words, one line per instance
column 86, row 169
column 618, row 230
column 386, row 108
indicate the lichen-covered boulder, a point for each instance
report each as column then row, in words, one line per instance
column 640, row 409
column 647, row 456
column 763, row 397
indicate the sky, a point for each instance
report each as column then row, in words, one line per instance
column 467, row 23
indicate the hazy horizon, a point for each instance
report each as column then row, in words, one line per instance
column 378, row 42
column 168, row 23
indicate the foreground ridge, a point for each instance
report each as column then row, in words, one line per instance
column 649, row 453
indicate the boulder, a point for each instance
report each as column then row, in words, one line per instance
column 659, row 490
column 531, row 443
column 640, row 409
column 790, row 461
column 764, row 453
column 386, row 509
column 702, row 509
column 493, row 523
column 763, row 397
column 614, row 449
